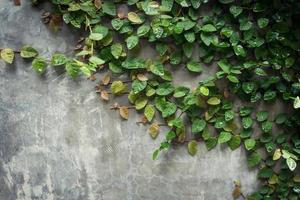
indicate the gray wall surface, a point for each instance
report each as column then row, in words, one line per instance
column 59, row 141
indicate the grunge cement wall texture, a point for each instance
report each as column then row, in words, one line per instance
column 58, row 141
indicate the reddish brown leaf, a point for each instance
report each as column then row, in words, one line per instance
column 104, row 95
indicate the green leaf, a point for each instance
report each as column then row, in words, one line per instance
column 109, row 8
column 265, row 173
column 254, row 159
column 208, row 28
column 239, row 50
column 39, row 64
column 28, row 52
column 267, row 126
column 224, row 65
column 134, row 18
column 291, row 163
column 210, row 143
column 116, row 50
column 165, row 89
column 235, row 10
column 247, row 122
column 194, row 66
column 7, row 55
column 138, row 86
column 166, row 108
column 204, row 90
column 58, row 59
column 181, row 91
column 143, row 30
column 149, row 112
column 234, row 142
column 296, row 103
column 232, row 78
column 192, row 147
column 224, row 137
column 155, row 154
column 249, row 144
column 97, row 61
column 132, row 41
column 140, row 103
column 198, row 125
column 166, row 5
column 262, row 22
column 118, row 87
column 229, row 115
column 213, row 101
column 157, row 68
column 245, row 24
column 133, row 63
column 262, row 116
column 96, row 36
column 248, row 87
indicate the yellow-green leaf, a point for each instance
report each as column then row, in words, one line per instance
column 149, row 112
column 134, row 18
column 213, row 101
column 192, row 147
column 153, row 130
column 140, row 103
column 277, row 154
column 7, row 55
column 118, row 87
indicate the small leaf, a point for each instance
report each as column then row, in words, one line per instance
column 105, row 79
column 249, row 144
column 198, row 125
column 194, row 66
column 210, row 143
column 262, row 22
column 192, row 147
column 104, row 95
column 132, row 41
column 208, row 28
column 204, row 90
column 234, row 142
column 117, row 87
column 155, row 154
column 124, row 112
column 138, row 86
column 224, row 137
column 254, row 159
column 28, row 52
column 135, row 18
column 7, row 55
column 157, row 68
column 140, row 103
column 235, row 10
column 297, row 103
column 96, row 36
column 58, row 59
column 39, row 64
column 277, row 154
column 213, row 101
column 153, row 130
column 149, row 112
column 97, row 61
column 291, row 163
column 116, row 50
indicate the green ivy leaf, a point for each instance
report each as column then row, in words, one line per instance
column 291, row 163
column 138, row 86
column 208, row 28
column 194, row 66
column 210, row 143
column 157, row 68
column 262, row 22
column 198, row 125
column 254, row 159
column 214, row 101
column 134, row 18
column 28, row 52
column 39, row 64
column 234, row 142
column 58, row 59
column 118, row 87
column 116, row 50
column 132, row 41
column 97, row 61
column 235, row 10
column 262, row 116
column 181, row 91
column 149, row 112
column 249, row 144
column 143, row 30
column 224, row 137
column 140, row 103
column 109, row 8
column 247, row 122
column 165, row 89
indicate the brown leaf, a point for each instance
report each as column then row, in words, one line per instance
column 181, row 134
column 104, row 95
column 17, row 2
column 226, row 93
column 55, row 22
column 236, row 192
column 142, row 77
column 115, row 105
column 153, row 130
column 92, row 77
column 143, row 120
column 121, row 14
column 124, row 112
column 105, row 79
column 98, row 4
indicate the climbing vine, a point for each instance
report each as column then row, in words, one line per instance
column 253, row 45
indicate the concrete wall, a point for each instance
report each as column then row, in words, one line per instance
column 59, row 141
